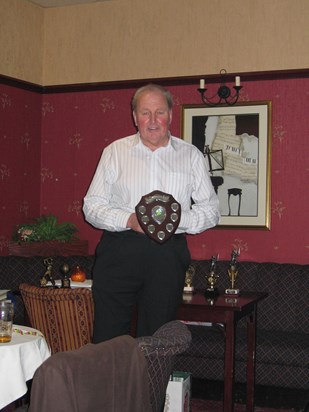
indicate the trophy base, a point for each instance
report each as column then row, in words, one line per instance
column 187, row 297
column 211, row 293
column 188, row 289
column 232, row 292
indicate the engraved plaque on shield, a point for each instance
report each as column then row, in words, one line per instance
column 158, row 214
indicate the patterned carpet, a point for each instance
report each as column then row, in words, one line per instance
column 197, row 405
column 201, row 405
column 272, row 399
column 207, row 397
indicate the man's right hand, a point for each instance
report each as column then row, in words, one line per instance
column 134, row 224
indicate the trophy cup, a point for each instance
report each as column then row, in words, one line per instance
column 233, row 272
column 189, row 288
column 212, row 291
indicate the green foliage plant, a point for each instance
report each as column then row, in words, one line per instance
column 45, row 228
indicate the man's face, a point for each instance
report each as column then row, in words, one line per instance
column 153, row 118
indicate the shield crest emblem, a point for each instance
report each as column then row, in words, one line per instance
column 158, row 214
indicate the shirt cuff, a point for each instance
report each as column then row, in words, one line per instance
column 184, row 222
column 122, row 220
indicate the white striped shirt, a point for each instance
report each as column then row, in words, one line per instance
column 129, row 170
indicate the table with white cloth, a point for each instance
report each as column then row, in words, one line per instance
column 19, row 359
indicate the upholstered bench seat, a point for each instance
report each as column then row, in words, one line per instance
column 278, row 347
column 282, row 355
column 282, row 351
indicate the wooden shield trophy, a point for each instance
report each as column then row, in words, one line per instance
column 158, row 214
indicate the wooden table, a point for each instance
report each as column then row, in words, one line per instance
column 228, row 310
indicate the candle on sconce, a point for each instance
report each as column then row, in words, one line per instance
column 202, row 84
column 237, row 81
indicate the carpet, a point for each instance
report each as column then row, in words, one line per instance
column 197, row 405
column 202, row 405
column 207, row 396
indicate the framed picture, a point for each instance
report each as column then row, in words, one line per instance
column 236, row 143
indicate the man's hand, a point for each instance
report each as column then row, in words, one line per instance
column 134, row 224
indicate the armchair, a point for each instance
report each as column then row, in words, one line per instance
column 64, row 316
column 121, row 374
column 160, row 350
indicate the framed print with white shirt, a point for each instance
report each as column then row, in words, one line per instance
column 236, row 143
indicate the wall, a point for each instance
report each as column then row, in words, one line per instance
column 136, row 39
column 140, row 39
column 21, row 40
column 49, row 144
column 76, row 126
column 20, row 158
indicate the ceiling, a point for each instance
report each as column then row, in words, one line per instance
column 62, row 3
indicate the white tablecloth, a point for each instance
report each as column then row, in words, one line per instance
column 86, row 284
column 19, row 359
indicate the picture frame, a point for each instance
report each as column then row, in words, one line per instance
column 236, row 143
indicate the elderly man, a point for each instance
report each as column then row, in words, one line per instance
column 131, row 268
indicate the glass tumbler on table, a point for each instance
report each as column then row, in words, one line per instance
column 6, row 321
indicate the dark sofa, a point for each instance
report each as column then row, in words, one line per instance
column 282, row 357
column 282, row 352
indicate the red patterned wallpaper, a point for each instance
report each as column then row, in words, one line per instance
column 50, row 145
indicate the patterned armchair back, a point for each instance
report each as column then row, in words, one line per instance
column 64, row 316
column 160, row 350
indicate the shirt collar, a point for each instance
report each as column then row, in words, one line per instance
column 137, row 143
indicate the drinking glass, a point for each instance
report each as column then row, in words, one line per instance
column 6, row 321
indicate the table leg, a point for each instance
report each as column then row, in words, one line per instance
column 251, row 346
column 228, row 405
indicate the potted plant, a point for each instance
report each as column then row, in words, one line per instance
column 45, row 236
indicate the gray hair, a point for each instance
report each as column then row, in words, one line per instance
column 149, row 88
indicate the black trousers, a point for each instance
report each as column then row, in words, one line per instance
column 131, row 270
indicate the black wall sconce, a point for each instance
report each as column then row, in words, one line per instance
column 224, row 93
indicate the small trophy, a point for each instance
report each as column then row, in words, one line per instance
column 233, row 272
column 189, row 288
column 65, row 282
column 212, row 291
column 48, row 275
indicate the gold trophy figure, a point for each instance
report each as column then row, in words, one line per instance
column 233, row 272
column 212, row 291
column 189, row 288
column 48, row 275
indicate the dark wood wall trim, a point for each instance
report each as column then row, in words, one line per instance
column 170, row 81
column 21, row 84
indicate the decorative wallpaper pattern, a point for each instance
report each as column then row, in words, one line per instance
column 50, row 145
